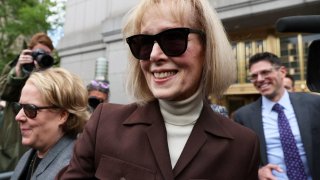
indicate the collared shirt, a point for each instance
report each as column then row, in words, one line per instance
column 271, row 133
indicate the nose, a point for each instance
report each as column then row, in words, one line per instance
column 21, row 116
column 156, row 53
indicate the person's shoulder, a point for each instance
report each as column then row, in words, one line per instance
column 242, row 114
column 248, row 107
column 63, row 148
column 7, row 68
column 306, row 97
column 110, row 112
column 119, row 108
column 238, row 132
column 236, row 128
column 305, row 94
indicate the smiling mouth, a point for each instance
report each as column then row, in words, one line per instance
column 162, row 75
column 25, row 131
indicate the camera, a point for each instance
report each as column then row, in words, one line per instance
column 43, row 59
column 306, row 24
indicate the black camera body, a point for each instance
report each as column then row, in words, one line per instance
column 43, row 59
column 306, row 24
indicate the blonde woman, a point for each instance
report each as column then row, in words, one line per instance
column 179, row 54
column 52, row 110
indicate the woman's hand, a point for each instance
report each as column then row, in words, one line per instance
column 24, row 58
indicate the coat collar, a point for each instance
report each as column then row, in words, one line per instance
column 45, row 162
column 208, row 123
column 150, row 115
column 52, row 154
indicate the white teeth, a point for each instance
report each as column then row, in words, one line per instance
column 163, row 74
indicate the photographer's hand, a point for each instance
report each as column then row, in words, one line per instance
column 24, row 58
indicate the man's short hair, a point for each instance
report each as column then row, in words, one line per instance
column 265, row 56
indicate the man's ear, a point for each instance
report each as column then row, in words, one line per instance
column 283, row 71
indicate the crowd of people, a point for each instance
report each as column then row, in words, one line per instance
column 55, row 127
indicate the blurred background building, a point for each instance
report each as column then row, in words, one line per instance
column 92, row 38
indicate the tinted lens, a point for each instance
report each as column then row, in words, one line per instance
column 16, row 107
column 141, row 46
column 173, row 42
column 30, row 110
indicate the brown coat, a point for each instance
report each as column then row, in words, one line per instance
column 130, row 142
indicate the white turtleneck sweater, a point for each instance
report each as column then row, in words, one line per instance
column 180, row 117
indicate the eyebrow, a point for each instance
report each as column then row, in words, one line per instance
column 262, row 71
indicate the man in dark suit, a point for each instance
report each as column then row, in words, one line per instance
column 301, row 110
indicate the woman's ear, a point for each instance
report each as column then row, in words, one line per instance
column 63, row 117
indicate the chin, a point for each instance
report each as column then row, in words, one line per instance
column 164, row 97
column 168, row 97
column 265, row 92
column 165, row 93
column 25, row 142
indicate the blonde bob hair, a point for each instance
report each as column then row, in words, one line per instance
column 65, row 90
column 219, row 69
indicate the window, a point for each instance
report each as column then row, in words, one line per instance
column 289, row 55
column 251, row 48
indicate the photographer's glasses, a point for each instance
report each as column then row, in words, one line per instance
column 173, row 42
column 30, row 110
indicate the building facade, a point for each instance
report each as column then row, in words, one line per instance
column 92, row 36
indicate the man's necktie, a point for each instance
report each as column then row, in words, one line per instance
column 295, row 169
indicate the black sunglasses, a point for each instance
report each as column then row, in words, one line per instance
column 173, row 42
column 29, row 109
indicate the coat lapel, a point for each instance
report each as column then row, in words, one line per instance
column 23, row 164
column 206, row 123
column 157, row 135
column 303, row 119
column 255, row 116
column 52, row 154
column 160, row 150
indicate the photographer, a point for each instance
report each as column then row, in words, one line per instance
column 13, row 78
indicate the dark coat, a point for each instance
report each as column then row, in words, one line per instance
column 11, row 148
column 130, row 142
column 307, row 111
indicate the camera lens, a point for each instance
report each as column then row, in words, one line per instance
column 44, row 60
